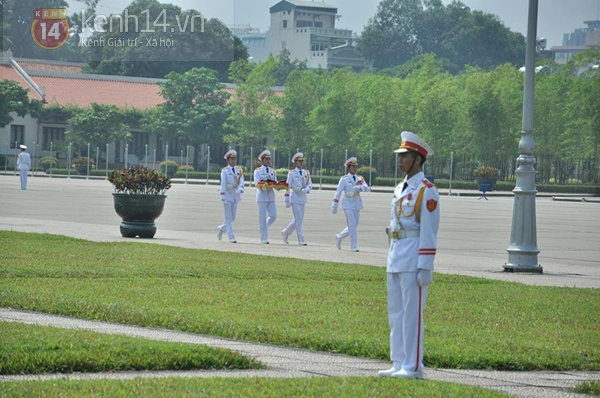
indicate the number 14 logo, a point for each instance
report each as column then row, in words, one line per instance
column 50, row 28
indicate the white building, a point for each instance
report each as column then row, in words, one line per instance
column 578, row 41
column 307, row 30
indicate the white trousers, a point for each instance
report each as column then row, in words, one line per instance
column 297, row 222
column 230, row 209
column 266, row 209
column 23, row 174
column 406, row 301
column 352, row 217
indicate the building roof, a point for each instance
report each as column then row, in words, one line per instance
column 286, row 5
column 569, row 48
column 56, row 66
column 62, row 83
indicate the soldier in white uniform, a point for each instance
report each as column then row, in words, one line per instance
column 265, row 196
column 414, row 221
column 232, row 188
column 351, row 185
column 23, row 165
column 300, row 185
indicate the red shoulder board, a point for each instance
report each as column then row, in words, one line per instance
column 431, row 205
column 427, row 183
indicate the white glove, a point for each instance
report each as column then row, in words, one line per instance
column 356, row 188
column 334, row 209
column 424, row 277
column 240, row 191
column 288, row 205
column 222, row 198
column 305, row 190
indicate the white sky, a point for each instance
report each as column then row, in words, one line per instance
column 555, row 17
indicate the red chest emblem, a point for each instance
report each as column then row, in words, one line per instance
column 431, row 205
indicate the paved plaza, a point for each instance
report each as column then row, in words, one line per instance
column 473, row 238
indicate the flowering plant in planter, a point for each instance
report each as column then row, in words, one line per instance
column 486, row 171
column 139, row 180
column 82, row 161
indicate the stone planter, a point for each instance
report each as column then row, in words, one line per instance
column 491, row 181
column 81, row 169
column 138, row 213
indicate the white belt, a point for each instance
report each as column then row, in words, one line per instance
column 403, row 233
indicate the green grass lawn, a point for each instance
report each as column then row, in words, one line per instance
column 321, row 387
column 470, row 322
column 32, row 349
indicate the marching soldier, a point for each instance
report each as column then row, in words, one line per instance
column 23, row 165
column 351, row 185
column 264, row 178
column 414, row 221
column 300, row 185
column 232, row 188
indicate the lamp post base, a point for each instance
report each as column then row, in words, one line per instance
column 524, row 268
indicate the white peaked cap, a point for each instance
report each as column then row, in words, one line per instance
column 298, row 156
column 351, row 161
column 264, row 153
column 412, row 142
column 230, row 153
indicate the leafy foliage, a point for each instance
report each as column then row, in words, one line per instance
column 211, row 45
column 83, row 161
column 486, row 171
column 194, row 110
column 13, row 98
column 97, row 125
column 139, row 180
column 403, row 29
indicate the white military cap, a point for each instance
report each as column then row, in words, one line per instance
column 265, row 153
column 298, row 156
column 230, row 154
column 412, row 142
column 22, row 147
column 351, row 161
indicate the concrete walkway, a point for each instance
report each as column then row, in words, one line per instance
column 288, row 362
column 473, row 238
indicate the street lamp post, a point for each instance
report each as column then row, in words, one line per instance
column 523, row 250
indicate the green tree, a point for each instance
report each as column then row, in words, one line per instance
column 304, row 91
column 239, row 70
column 97, row 125
column 334, row 119
column 14, row 98
column 17, row 17
column 403, row 29
column 285, row 67
column 437, row 103
column 254, row 113
column 211, row 44
column 485, row 115
column 380, row 119
column 390, row 37
column 194, row 110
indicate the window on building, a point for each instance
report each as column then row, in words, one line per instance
column 285, row 23
column 17, row 135
column 283, row 45
column 138, row 146
column 52, row 135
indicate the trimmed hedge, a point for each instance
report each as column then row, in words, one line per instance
column 503, row 186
